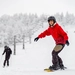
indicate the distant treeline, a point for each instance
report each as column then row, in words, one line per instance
column 26, row 25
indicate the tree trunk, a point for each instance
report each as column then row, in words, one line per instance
column 23, row 42
column 14, row 45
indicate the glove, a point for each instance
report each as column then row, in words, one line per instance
column 2, row 54
column 36, row 39
column 67, row 43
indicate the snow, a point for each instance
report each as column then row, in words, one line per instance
column 37, row 56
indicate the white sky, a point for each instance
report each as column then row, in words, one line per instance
column 50, row 7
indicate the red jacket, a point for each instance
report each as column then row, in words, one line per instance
column 59, row 35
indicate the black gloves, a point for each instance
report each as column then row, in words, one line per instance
column 3, row 54
column 36, row 39
column 67, row 43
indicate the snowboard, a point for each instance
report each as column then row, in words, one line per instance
column 50, row 70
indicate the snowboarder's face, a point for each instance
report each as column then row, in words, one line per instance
column 51, row 23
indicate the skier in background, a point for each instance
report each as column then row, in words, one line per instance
column 60, row 37
column 7, row 52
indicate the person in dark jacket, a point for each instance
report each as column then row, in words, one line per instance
column 7, row 52
column 60, row 37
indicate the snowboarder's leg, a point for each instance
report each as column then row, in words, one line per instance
column 59, row 59
column 56, row 60
column 8, row 60
column 60, row 63
column 4, row 63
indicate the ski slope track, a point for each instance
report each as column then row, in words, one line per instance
column 37, row 56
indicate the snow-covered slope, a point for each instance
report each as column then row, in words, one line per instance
column 37, row 56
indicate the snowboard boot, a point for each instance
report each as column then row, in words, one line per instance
column 54, row 67
column 3, row 66
column 62, row 67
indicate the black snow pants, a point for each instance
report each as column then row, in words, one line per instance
column 7, row 57
column 56, row 60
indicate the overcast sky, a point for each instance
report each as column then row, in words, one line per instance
column 50, row 7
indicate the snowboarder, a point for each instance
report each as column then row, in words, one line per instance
column 8, row 52
column 60, row 37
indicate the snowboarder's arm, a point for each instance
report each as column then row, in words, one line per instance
column 36, row 39
column 63, row 33
column 45, row 33
column 10, row 51
column 4, row 52
column 67, row 42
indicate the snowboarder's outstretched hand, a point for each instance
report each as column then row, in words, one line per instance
column 36, row 39
column 2, row 54
column 67, row 43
